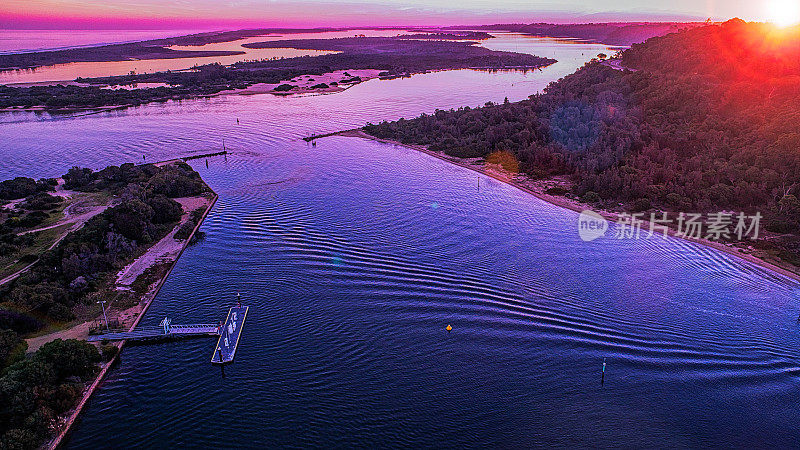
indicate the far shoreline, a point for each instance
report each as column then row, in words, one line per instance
column 566, row 203
column 300, row 88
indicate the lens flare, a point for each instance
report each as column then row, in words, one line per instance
column 783, row 13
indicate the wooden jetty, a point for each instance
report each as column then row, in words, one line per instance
column 229, row 335
column 334, row 133
column 205, row 155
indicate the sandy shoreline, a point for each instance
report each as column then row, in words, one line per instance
column 304, row 84
column 573, row 205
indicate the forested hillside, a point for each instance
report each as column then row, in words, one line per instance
column 707, row 120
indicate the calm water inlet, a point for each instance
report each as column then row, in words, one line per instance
column 355, row 255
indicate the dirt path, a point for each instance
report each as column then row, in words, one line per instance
column 77, row 214
column 165, row 250
column 616, row 64
column 79, row 331
column 72, row 217
column 16, row 274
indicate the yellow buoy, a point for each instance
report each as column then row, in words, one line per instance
column 449, row 328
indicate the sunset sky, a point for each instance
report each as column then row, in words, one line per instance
column 239, row 13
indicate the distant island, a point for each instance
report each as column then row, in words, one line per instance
column 151, row 49
column 621, row 34
column 703, row 120
column 387, row 56
column 159, row 48
column 608, row 33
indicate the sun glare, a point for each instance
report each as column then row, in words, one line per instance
column 783, row 13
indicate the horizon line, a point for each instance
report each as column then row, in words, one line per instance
column 47, row 22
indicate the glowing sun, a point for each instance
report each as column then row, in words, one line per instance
column 783, row 13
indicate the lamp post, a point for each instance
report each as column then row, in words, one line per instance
column 103, row 305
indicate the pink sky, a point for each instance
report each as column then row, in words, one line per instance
column 216, row 14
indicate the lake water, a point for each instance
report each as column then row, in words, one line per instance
column 71, row 71
column 355, row 255
column 19, row 41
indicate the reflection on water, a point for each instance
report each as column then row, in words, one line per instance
column 175, row 128
column 237, row 45
column 514, row 42
column 569, row 53
column 20, row 41
column 355, row 255
column 71, row 71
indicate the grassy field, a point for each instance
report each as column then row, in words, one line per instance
column 42, row 241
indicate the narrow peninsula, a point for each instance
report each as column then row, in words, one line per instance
column 82, row 254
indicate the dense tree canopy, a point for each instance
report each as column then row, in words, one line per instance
column 36, row 390
column 21, row 187
column 64, row 277
column 696, row 125
column 633, row 134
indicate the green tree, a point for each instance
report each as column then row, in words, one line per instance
column 165, row 210
column 789, row 204
column 69, row 357
column 12, row 348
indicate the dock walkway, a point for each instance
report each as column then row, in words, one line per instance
column 229, row 335
column 228, row 332
column 165, row 330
